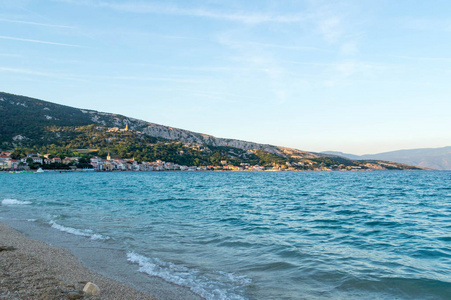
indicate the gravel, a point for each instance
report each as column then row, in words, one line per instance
column 31, row 269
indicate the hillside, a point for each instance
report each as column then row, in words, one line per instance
column 29, row 124
column 26, row 118
column 433, row 158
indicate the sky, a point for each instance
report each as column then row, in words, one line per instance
column 356, row 76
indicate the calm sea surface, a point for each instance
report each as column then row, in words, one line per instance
column 258, row 235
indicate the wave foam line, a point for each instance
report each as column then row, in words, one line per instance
column 226, row 288
column 14, row 202
column 74, row 231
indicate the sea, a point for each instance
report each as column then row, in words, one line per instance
column 248, row 235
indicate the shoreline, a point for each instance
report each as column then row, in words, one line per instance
column 34, row 269
column 231, row 171
column 31, row 269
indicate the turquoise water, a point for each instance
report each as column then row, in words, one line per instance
column 258, row 235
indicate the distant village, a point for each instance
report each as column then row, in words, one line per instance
column 33, row 161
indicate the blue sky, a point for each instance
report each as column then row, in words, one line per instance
column 353, row 76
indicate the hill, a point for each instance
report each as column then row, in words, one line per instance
column 433, row 158
column 32, row 125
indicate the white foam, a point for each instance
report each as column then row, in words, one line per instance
column 31, row 220
column 226, row 286
column 14, row 202
column 80, row 232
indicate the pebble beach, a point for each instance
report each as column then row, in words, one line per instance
column 31, row 269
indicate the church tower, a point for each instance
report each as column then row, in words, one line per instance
column 126, row 127
column 108, row 157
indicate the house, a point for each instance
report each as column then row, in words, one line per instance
column 96, row 161
column 56, row 160
column 12, row 164
column 68, row 160
column 36, row 157
column 36, row 160
column 9, row 163
column 108, row 165
column 3, row 164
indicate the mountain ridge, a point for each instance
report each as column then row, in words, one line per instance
column 152, row 129
column 30, row 122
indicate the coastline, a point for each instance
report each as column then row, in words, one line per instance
column 33, row 269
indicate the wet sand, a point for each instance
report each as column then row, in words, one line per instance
column 31, row 269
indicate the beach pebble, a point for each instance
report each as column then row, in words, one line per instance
column 91, row 289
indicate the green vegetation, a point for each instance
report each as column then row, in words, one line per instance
column 34, row 126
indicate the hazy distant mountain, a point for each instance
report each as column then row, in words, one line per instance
column 434, row 158
column 347, row 155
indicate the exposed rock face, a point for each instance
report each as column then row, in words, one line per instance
column 177, row 134
column 171, row 133
column 193, row 137
column 40, row 118
column 295, row 153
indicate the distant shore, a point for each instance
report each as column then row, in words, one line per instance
column 232, row 171
column 31, row 269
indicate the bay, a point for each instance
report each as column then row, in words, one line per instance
column 257, row 235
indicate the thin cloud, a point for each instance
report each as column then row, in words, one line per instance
column 34, row 23
column 38, row 41
column 231, row 42
column 146, row 78
column 330, row 28
column 9, row 55
column 306, row 48
column 42, row 74
column 26, row 72
column 153, row 8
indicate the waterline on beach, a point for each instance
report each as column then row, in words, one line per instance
column 86, row 232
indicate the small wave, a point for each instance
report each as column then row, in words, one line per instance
column 31, row 220
column 430, row 253
column 14, row 202
column 226, row 287
column 445, row 238
column 382, row 223
column 74, row 231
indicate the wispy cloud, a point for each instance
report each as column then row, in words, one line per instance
column 38, row 41
column 9, row 55
column 331, row 28
column 41, row 74
column 147, row 78
column 230, row 40
column 265, row 45
column 25, row 71
column 158, row 8
column 94, row 77
column 34, row 23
